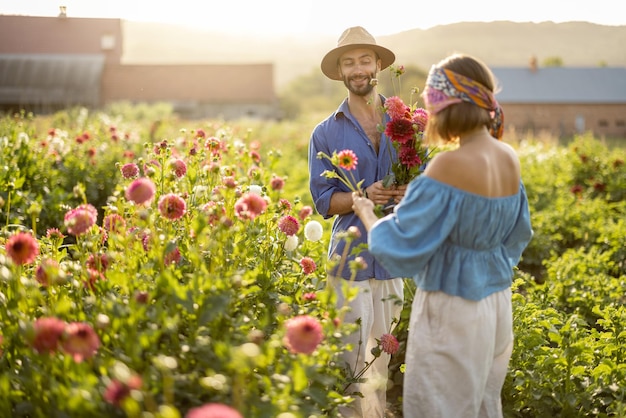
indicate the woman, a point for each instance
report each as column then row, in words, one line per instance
column 459, row 231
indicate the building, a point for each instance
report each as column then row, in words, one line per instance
column 563, row 101
column 51, row 63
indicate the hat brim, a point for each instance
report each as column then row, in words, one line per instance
column 331, row 59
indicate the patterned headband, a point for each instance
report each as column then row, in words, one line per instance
column 445, row 88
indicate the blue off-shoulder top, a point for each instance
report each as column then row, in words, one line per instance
column 451, row 240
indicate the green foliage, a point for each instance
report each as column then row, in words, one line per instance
column 210, row 327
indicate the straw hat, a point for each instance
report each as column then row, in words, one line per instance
column 352, row 38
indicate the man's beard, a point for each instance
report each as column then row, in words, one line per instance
column 361, row 91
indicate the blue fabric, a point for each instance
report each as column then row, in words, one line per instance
column 453, row 241
column 338, row 132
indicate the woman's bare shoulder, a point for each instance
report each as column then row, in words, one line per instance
column 443, row 164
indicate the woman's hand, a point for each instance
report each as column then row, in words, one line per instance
column 361, row 204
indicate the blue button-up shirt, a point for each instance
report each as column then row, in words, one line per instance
column 341, row 131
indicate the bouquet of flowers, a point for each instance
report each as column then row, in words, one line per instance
column 406, row 131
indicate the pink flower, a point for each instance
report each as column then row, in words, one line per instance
column 173, row 257
column 172, row 206
column 249, row 206
column 54, row 234
column 347, row 159
column 93, row 276
column 308, row 265
column 389, row 343
column 47, row 334
column 47, row 272
column 141, row 191
column 80, row 219
column 213, row 410
column 213, row 211
column 114, row 222
column 130, row 170
column 288, row 225
column 117, row 390
column 213, row 144
column 284, row 205
column 277, row 183
column 303, row 335
column 98, row 262
column 420, row 118
column 309, row 296
column 229, row 182
column 179, row 167
column 81, row 341
column 305, row 212
column 256, row 157
column 396, row 108
column 22, row 248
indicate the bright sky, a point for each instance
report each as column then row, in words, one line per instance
column 328, row 17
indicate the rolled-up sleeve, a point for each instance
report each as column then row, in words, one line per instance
column 321, row 188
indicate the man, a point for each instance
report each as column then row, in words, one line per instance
column 357, row 60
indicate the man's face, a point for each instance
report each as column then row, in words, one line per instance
column 357, row 68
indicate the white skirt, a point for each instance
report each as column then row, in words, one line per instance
column 457, row 355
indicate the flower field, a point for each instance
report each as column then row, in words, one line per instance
column 149, row 268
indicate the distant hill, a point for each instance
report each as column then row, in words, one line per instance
column 500, row 43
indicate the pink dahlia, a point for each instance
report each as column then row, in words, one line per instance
column 229, row 182
column 214, row 211
column 141, row 191
column 47, row 272
column 305, row 212
column 22, row 248
column 98, row 262
column 179, row 167
column 130, row 170
column 396, row 109
column 277, row 183
column 308, row 265
column 173, row 257
column 288, row 225
column 81, row 341
column 420, row 118
column 80, row 219
column 172, row 206
column 213, row 410
column 249, row 206
column 117, row 390
column 389, row 343
column 303, row 335
column 54, row 234
column 47, row 334
column 114, row 222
